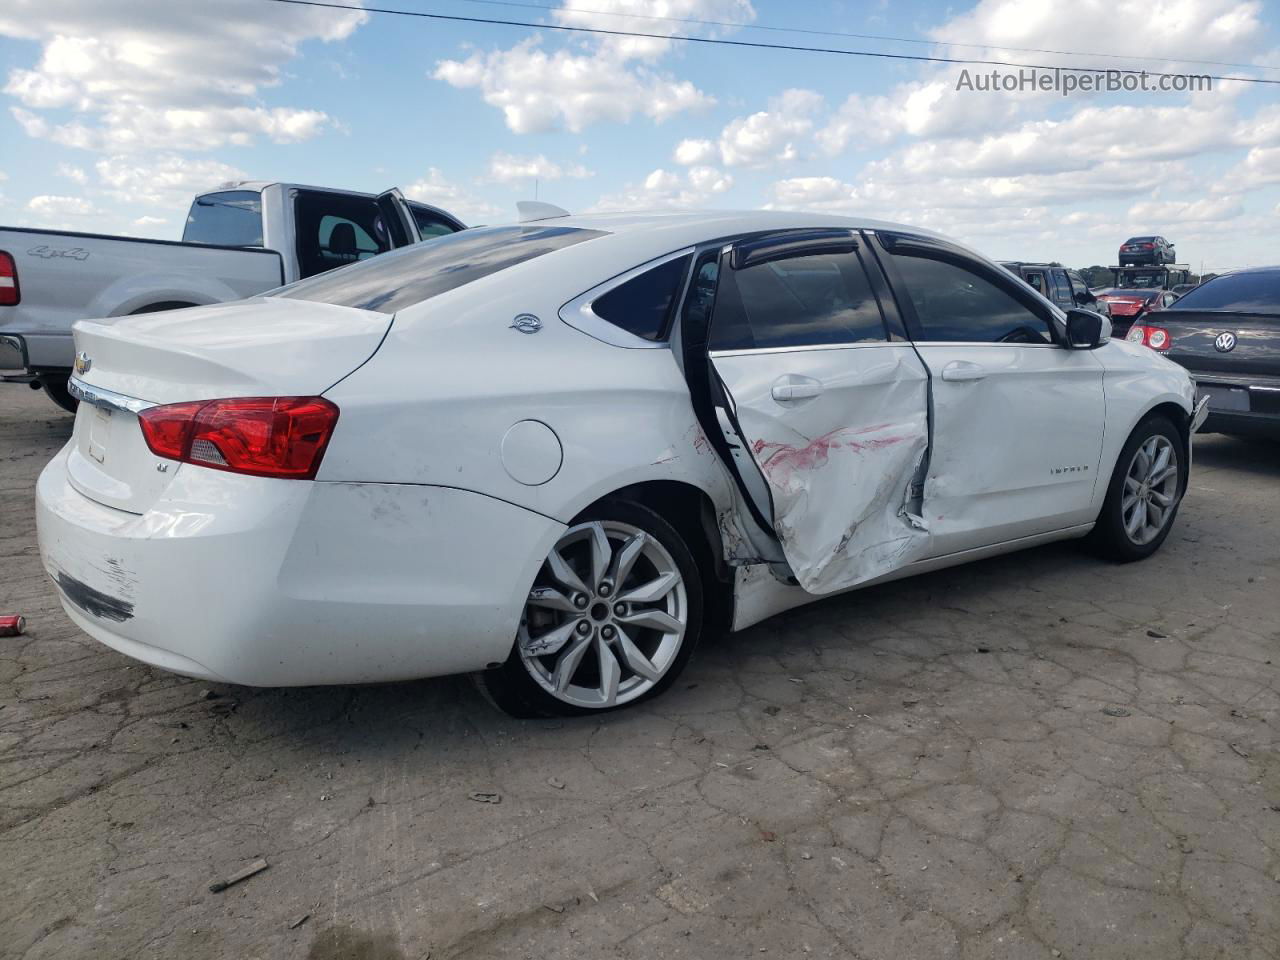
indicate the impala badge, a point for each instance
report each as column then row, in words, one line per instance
column 83, row 362
column 526, row 323
column 1225, row 343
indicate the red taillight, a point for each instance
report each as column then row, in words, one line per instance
column 1148, row 246
column 9, row 292
column 1157, row 338
column 262, row 436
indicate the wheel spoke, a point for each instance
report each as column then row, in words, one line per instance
column 551, row 598
column 1126, row 504
column 610, row 673
column 601, row 554
column 636, row 661
column 567, row 665
column 1134, row 521
column 1162, row 499
column 1164, row 474
column 563, row 573
column 653, row 591
column 549, row 642
column 626, row 558
column 657, row 619
column 1131, row 484
column 1155, row 516
column 1161, row 461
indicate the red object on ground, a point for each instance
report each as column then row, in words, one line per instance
column 12, row 626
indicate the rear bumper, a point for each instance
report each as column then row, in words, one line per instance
column 1244, row 424
column 1263, row 416
column 292, row 583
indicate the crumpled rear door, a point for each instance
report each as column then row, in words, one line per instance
column 833, row 413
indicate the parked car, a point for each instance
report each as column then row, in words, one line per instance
column 579, row 442
column 1128, row 304
column 1227, row 333
column 1064, row 287
column 1137, row 251
column 239, row 240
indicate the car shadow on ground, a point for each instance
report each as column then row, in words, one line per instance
column 1256, row 455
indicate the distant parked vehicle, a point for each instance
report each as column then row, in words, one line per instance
column 1138, row 251
column 1061, row 286
column 240, row 240
column 1226, row 332
column 1129, row 304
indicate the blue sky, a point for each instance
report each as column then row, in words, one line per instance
column 115, row 114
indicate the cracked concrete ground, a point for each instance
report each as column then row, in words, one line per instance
column 1036, row 756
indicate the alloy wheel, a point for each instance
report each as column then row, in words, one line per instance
column 1150, row 489
column 606, row 616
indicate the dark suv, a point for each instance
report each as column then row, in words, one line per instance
column 1139, row 251
column 1064, row 287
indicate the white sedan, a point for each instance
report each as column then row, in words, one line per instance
column 556, row 452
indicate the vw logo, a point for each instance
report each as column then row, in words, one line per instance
column 1225, row 343
column 83, row 362
column 526, row 323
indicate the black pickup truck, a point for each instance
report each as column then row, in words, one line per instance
column 1226, row 332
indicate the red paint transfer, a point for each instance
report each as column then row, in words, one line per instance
column 781, row 461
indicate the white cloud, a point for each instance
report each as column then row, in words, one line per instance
column 168, row 180
column 150, row 221
column 73, row 173
column 690, row 152
column 1158, row 215
column 61, row 206
column 434, row 188
column 509, row 168
column 537, row 91
column 646, row 17
column 664, row 189
column 770, row 136
column 135, row 73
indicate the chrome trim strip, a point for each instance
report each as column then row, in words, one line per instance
column 107, row 399
column 578, row 314
column 752, row 351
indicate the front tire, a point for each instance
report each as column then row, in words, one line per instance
column 1144, row 494
column 611, row 619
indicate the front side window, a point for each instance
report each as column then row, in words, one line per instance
column 642, row 305
column 955, row 305
column 430, row 224
column 1036, row 279
column 819, row 299
column 412, row 274
column 1079, row 289
column 229, row 219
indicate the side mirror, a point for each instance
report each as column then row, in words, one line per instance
column 1087, row 330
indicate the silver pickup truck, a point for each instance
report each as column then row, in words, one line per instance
column 239, row 240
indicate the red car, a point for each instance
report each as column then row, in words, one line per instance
column 1129, row 303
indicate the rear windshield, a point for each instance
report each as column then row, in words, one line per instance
column 1141, row 240
column 399, row 279
column 1244, row 292
column 230, row 219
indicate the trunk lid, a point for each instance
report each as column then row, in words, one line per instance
column 253, row 348
column 1254, row 341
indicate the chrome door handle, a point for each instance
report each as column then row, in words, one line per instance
column 963, row 370
column 793, row 386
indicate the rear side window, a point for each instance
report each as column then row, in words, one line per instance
column 424, row 270
column 956, row 305
column 643, row 304
column 1245, row 292
column 819, row 299
column 229, row 219
column 335, row 229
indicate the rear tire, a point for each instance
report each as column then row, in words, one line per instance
column 1144, row 494
column 608, row 644
column 56, row 389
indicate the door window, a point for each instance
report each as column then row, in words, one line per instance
column 430, row 223
column 1079, row 289
column 1036, row 279
column 805, row 300
column 956, row 305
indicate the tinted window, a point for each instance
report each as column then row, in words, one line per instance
column 642, row 305
column 335, row 229
column 807, row 300
column 232, row 219
column 1247, row 292
column 1078, row 287
column 1036, row 279
column 956, row 305
column 1062, row 287
column 424, row 270
column 430, row 223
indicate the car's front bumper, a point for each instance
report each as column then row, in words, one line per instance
column 289, row 583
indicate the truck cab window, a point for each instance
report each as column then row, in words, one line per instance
column 334, row 229
column 231, row 218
